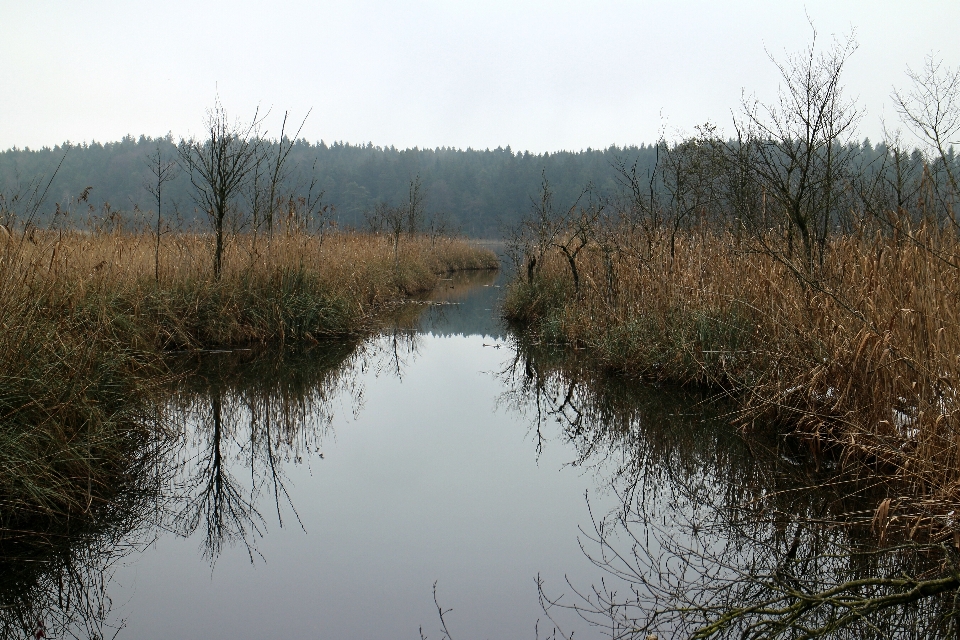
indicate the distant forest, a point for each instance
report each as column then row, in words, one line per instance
column 480, row 193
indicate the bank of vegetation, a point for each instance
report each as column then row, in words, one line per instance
column 86, row 323
column 777, row 268
column 92, row 307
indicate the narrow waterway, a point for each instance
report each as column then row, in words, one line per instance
column 410, row 467
column 350, row 489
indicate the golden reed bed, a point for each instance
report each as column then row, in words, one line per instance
column 292, row 285
column 859, row 355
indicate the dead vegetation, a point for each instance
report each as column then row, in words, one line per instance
column 862, row 363
column 816, row 284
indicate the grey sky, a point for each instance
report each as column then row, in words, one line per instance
column 535, row 75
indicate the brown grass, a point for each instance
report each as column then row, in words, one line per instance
column 84, row 323
column 295, row 286
column 860, row 357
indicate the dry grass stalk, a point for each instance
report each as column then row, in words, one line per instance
column 861, row 357
column 83, row 322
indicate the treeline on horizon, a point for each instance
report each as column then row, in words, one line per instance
column 480, row 193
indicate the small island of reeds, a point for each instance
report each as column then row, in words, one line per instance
column 87, row 319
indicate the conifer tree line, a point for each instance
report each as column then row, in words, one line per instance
column 794, row 164
column 479, row 192
column 475, row 190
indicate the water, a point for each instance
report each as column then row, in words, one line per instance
column 424, row 477
column 323, row 493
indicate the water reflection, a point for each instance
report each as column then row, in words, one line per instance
column 715, row 538
column 243, row 418
column 214, row 456
column 692, row 529
column 464, row 304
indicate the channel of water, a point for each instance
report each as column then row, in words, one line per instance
column 415, row 468
column 349, row 489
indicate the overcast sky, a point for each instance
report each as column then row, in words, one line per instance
column 539, row 76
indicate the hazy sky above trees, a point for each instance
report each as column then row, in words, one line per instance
column 541, row 76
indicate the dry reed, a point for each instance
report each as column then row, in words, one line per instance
column 859, row 357
column 292, row 286
column 84, row 323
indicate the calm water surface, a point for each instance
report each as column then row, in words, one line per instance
column 323, row 493
column 418, row 471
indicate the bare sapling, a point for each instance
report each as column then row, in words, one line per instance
column 219, row 167
column 163, row 171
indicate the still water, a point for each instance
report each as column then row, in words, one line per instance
column 418, row 470
column 354, row 489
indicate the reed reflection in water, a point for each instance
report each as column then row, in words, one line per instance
column 715, row 538
column 56, row 570
column 323, row 492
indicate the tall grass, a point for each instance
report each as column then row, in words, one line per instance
column 85, row 324
column 294, row 286
column 859, row 357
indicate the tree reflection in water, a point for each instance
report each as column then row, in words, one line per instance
column 243, row 419
column 212, row 457
column 715, row 538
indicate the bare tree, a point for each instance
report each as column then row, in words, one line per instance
column 257, row 197
column 888, row 188
column 639, row 200
column 220, row 166
column 440, row 225
column 579, row 229
column 536, row 233
column 393, row 219
column 163, row 170
column 414, row 208
column 389, row 219
column 799, row 145
column 931, row 108
column 407, row 217
column 277, row 176
column 690, row 173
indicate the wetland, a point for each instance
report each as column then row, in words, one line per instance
column 360, row 486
